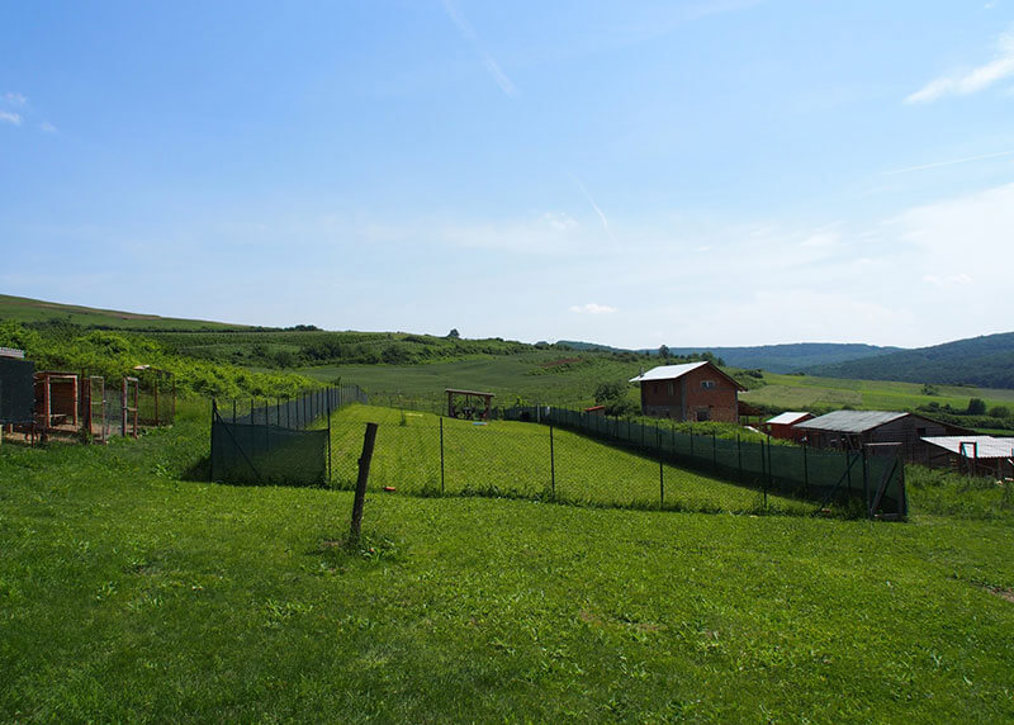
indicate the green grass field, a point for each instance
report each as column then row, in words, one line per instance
column 504, row 458
column 801, row 392
column 23, row 309
column 524, row 376
column 128, row 592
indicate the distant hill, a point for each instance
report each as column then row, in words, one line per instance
column 789, row 358
column 986, row 361
column 25, row 310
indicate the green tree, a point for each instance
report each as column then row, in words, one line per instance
column 663, row 352
column 454, row 334
column 976, row 406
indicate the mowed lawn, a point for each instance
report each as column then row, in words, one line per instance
column 513, row 459
column 129, row 593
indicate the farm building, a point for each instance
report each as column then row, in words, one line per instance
column 17, row 395
column 853, row 429
column 783, row 425
column 975, row 454
column 689, row 392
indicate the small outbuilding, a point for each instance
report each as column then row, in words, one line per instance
column 783, row 425
column 689, row 392
column 978, row 455
column 854, row 429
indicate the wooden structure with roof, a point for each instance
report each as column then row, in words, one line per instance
column 469, row 403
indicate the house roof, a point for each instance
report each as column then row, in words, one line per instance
column 673, row 372
column 667, row 372
column 984, row 446
column 788, row 418
column 851, row 421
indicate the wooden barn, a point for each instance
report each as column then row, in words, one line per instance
column 853, row 429
column 783, row 426
column 689, row 392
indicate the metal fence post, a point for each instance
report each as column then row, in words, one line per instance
column 714, row 452
column 441, row 454
column 211, row 458
column 552, row 462
column 329, row 440
column 739, row 457
column 661, row 469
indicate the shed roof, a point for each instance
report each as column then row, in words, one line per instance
column 852, row 421
column 984, row 446
column 788, row 418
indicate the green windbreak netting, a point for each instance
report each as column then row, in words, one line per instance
column 244, row 453
column 17, row 392
column 795, row 471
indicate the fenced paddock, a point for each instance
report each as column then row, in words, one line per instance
column 542, row 454
column 421, row 453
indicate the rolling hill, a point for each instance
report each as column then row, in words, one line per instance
column 987, row 361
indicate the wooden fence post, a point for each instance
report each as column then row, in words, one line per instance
column 364, row 473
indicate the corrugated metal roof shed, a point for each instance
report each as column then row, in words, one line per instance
column 667, row 372
column 851, row 421
column 786, row 418
column 984, row 446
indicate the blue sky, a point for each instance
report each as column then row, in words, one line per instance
column 713, row 172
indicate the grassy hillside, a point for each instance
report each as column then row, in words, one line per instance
column 23, row 309
column 820, row 394
column 789, row 358
column 987, row 361
column 131, row 593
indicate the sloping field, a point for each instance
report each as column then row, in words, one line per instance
column 128, row 593
column 507, row 458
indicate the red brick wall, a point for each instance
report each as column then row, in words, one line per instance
column 689, row 400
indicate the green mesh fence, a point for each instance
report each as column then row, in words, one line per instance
column 824, row 477
column 277, row 442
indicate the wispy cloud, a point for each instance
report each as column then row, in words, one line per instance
column 951, row 162
column 10, row 117
column 970, row 81
column 15, row 99
column 47, row 127
column 469, row 34
column 593, row 309
column 596, row 207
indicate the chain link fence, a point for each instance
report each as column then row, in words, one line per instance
column 622, row 464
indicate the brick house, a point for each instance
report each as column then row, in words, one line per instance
column 690, row 392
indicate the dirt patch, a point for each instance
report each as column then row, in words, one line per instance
column 1002, row 593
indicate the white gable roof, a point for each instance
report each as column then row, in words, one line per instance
column 667, row 372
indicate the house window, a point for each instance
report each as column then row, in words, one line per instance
column 707, row 385
column 703, row 414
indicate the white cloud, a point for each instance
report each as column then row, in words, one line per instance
column 592, row 309
column 47, row 127
column 970, row 81
column 15, row 99
column 949, row 162
column 10, row 117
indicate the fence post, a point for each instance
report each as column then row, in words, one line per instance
column 552, row 462
column 211, row 458
column 441, row 455
column 739, row 457
column 806, row 471
column 234, row 411
column 329, row 440
column 714, row 452
column 866, row 484
column 691, row 440
column 661, row 469
column 364, row 473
